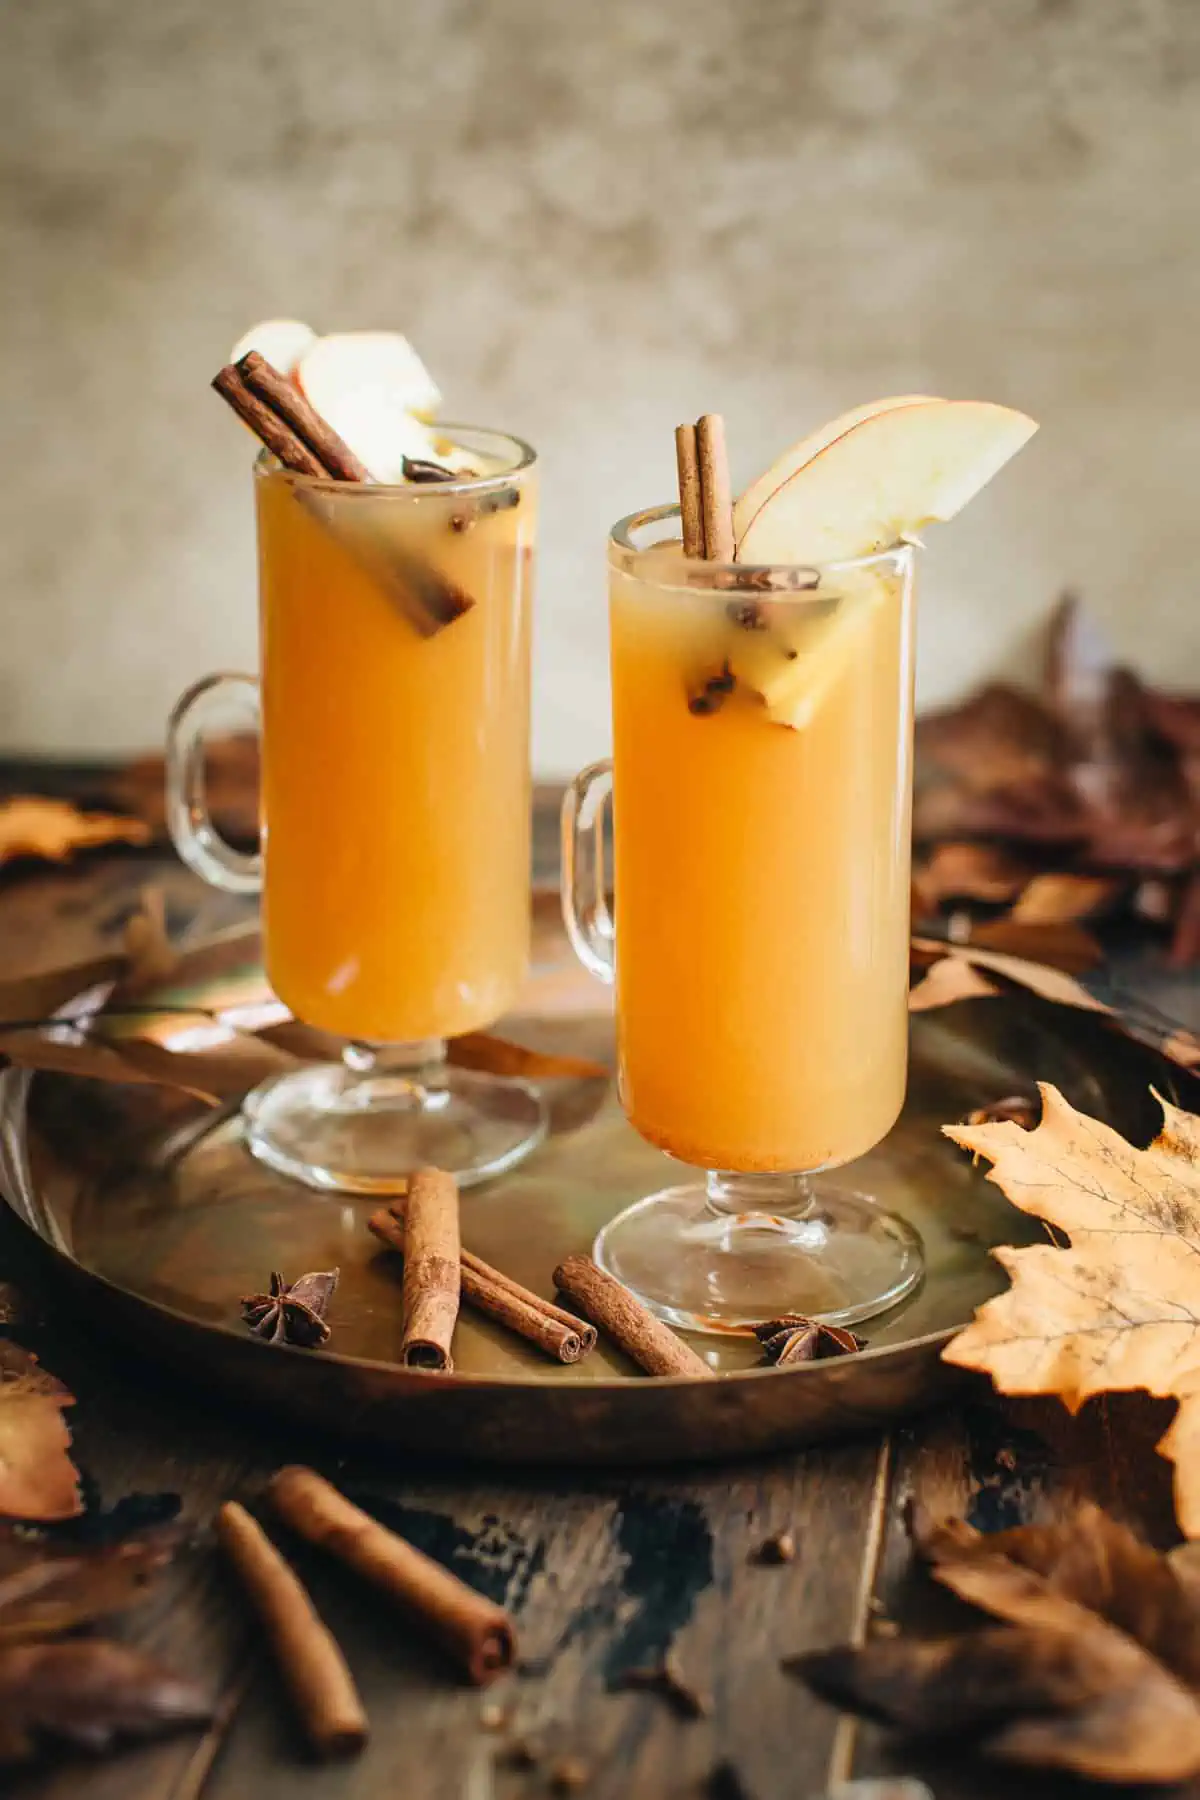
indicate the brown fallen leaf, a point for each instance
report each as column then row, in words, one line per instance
column 1064, row 899
column 1067, row 946
column 1086, row 1700
column 90, row 1694
column 53, row 830
column 1119, row 1307
column 499, row 1056
column 217, row 1063
column 49, row 1588
column 1050, row 984
column 38, row 1480
column 972, row 871
column 1098, row 1670
column 150, row 958
column 951, row 979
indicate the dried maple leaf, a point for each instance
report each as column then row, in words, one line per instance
column 54, row 830
column 1097, row 1670
column 38, row 1480
column 1117, row 1309
column 91, row 1694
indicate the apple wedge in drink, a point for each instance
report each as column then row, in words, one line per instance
column 861, row 485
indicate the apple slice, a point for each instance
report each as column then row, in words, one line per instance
column 375, row 391
column 282, row 341
column 887, row 476
column 825, row 648
column 747, row 508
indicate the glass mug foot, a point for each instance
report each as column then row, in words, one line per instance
column 362, row 1126
column 703, row 1264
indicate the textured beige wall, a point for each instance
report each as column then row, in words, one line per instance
column 592, row 228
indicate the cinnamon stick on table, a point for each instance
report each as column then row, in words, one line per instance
column 477, row 1633
column 432, row 1279
column 559, row 1333
column 313, row 1668
column 651, row 1344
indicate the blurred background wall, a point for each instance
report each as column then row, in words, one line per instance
column 593, row 221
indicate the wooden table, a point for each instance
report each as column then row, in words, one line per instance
column 603, row 1572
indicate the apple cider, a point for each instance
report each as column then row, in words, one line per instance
column 762, row 748
column 396, row 804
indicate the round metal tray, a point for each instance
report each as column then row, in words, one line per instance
column 154, row 1210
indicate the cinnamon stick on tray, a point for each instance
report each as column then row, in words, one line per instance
column 559, row 1333
column 476, row 1632
column 313, row 1668
column 651, row 1344
column 432, row 1280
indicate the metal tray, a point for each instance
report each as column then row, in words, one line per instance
column 154, row 1211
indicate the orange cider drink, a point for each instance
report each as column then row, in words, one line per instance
column 396, row 788
column 762, row 747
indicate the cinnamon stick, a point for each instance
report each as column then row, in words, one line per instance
column 288, row 403
column 651, row 1344
column 426, row 598
column 691, row 515
column 313, row 1668
column 431, row 1270
column 266, row 425
column 476, row 1632
column 716, row 495
column 559, row 1333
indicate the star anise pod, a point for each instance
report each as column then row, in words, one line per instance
column 295, row 1313
column 794, row 1338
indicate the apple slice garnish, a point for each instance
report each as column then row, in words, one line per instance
column 747, row 508
column 282, row 341
column 892, row 472
column 375, row 391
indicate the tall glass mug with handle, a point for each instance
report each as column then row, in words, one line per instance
column 761, row 794
column 762, row 923
column 395, row 860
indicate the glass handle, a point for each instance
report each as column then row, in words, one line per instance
column 584, row 870
column 188, row 819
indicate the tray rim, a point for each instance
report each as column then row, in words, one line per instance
column 16, row 1172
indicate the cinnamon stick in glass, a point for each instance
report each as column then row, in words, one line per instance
column 285, row 399
column 716, row 495
column 476, row 1632
column 432, row 1279
column 651, row 1344
column 559, row 1333
column 313, row 1668
column 691, row 515
column 266, row 425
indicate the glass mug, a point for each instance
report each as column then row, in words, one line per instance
column 761, row 792
column 395, row 858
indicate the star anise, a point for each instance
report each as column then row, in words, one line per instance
column 794, row 1338
column 295, row 1313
